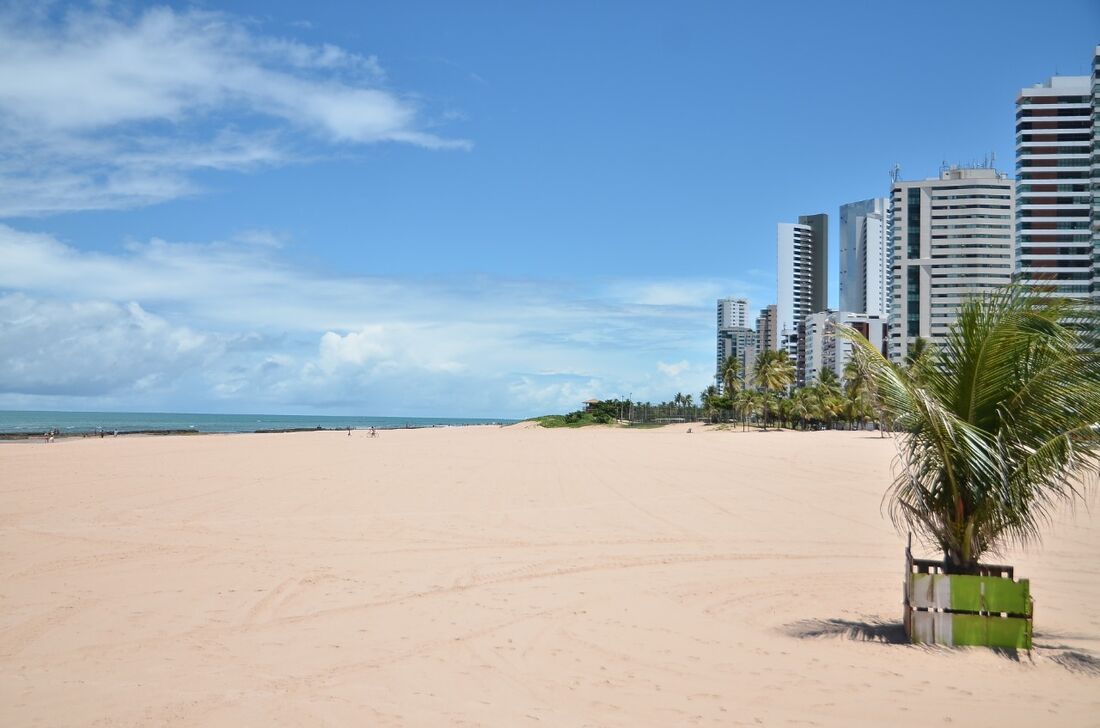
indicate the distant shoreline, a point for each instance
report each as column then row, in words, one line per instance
column 17, row 424
column 88, row 434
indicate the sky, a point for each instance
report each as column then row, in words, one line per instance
column 485, row 209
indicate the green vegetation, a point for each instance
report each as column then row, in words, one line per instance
column 573, row 419
column 605, row 412
column 681, row 408
column 1000, row 424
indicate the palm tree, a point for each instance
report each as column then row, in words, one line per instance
column 858, row 388
column 828, row 378
column 919, row 358
column 773, row 373
column 756, row 403
column 828, row 395
column 854, row 408
column 855, row 380
column 731, row 374
column 743, row 402
column 800, row 405
column 1003, row 426
column 709, row 399
column 855, row 390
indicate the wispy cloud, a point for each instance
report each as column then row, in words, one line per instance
column 103, row 109
column 263, row 332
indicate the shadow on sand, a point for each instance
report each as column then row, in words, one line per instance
column 1078, row 662
column 893, row 633
column 871, row 630
column 1070, row 658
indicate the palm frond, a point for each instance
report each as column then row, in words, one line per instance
column 1000, row 427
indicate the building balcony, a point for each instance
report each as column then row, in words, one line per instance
column 1072, row 161
column 1080, row 215
column 1078, row 203
column 1081, row 137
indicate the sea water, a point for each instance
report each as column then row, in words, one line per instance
column 81, row 422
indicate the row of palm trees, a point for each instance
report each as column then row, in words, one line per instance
column 769, row 399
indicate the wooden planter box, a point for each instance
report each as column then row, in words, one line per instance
column 991, row 609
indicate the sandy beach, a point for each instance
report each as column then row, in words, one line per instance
column 488, row 576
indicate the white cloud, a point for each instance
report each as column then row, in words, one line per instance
column 673, row 370
column 49, row 347
column 255, row 236
column 249, row 328
column 690, row 292
column 107, row 110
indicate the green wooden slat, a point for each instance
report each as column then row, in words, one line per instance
column 1001, row 594
column 1006, row 632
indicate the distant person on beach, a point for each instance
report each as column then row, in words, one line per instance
column 349, row 432
column 373, row 433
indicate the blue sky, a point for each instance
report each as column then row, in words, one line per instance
column 480, row 209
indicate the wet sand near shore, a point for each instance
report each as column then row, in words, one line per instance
column 499, row 577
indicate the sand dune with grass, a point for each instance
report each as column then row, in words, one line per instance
column 499, row 577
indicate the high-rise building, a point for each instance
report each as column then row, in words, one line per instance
column 738, row 343
column 735, row 338
column 802, row 285
column 1056, row 239
column 953, row 238
column 767, row 338
column 826, row 350
column 1096, row 175
column 733, row 312
column 865, row 257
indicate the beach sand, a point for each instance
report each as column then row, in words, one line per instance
column 499, row 577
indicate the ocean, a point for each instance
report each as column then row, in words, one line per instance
column 75, row 423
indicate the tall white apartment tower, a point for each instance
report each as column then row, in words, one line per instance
column 733, row 312
column 826, row 350
column 953, row 239
column 802, row 286
column 1056, row 240
column 1096, row 175
column 865, row 257
column 735, row 338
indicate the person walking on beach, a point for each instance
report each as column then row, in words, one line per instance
column 349, row 432
column 373, row 433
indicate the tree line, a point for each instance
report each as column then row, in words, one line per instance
column 768, row 398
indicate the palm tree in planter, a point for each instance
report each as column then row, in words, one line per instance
column 1001, row 426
